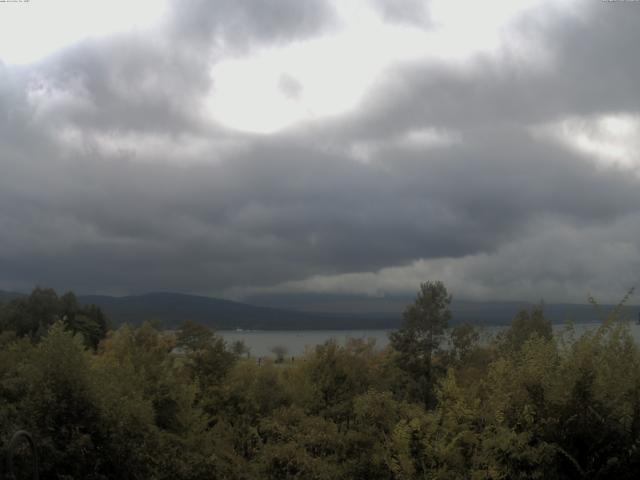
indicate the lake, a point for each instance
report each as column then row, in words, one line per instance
column 260, row 342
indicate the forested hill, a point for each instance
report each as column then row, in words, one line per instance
column 8, row 296
column 170, row 309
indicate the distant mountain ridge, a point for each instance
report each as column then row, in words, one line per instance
column 8, row 296
column 476, row 312
column 306, row 312
column 170, row 309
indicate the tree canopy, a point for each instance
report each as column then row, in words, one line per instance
column 31, row 316
column 527, row 404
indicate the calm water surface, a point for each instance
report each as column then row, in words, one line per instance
column 261, row 342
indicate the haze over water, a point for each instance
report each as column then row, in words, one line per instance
column 261, row 342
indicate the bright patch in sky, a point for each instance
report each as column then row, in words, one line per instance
column 331, row 73
column 32, row 30
column 611, row 140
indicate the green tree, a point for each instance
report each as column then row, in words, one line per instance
column 280, row 351
column 32, row 315
column 192, row 336
column 91, row 323
column 327, row 381
column 240, row 348
column 59, row 405
column 423, row 329
column 464, row 338
column 524, row 325
column 149, row 402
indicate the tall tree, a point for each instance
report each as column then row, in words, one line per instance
column 423, row 329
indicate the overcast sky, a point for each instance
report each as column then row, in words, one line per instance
column 234, row 147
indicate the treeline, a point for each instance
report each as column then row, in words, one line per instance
column 32, row 316
column 141, row 404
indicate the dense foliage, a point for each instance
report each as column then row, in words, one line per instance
column 32, row 316
column 146, row 404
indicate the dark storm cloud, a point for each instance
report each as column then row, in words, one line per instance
column 128, row 83
column 289, row 212
column 296, row 204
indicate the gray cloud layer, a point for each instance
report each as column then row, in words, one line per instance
column 113, row 181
